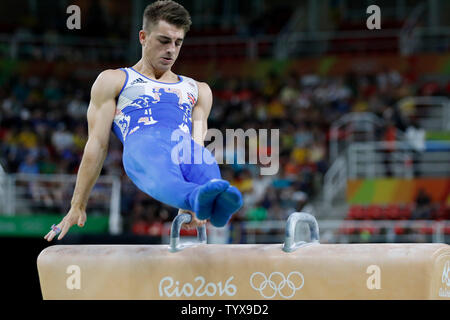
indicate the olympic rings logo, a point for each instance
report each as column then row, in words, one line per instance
column 260, row 282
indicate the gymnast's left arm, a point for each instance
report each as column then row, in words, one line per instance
column 200, row 114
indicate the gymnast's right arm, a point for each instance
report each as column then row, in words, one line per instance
column 100, row 116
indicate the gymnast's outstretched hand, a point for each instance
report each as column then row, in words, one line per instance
column 195, row 222
column 74, row 216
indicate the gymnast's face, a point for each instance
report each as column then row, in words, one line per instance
column 161, row 44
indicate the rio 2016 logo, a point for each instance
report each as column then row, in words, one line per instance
column 167, row 288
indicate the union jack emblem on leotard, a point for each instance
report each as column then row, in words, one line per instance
column 191, row 98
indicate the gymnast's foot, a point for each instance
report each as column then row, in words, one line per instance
column 227, row 203
column 206, row 194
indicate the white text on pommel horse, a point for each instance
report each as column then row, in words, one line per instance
column 74, row 280
column 167, row 288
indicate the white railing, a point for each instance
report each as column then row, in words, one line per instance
column 382, row 159
column 31, row 193
column 396, row 159
column 433, row 113
column 362, row 124
column 358, row 155
column 332, row 231
column 73, row 48
column 358, row 126
column 300, row 43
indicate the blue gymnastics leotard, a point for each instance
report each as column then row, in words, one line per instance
column 153, row 121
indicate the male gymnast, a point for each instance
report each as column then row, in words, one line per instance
column 145, row 104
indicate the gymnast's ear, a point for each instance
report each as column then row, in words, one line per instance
column 142, row 36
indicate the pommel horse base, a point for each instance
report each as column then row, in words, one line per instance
column 293, row 270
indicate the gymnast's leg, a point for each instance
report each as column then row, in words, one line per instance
column 147, row 161
column 227, row 202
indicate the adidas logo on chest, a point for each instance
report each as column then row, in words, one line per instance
column 138, row 80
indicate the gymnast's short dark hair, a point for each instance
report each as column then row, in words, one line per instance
column 169, row 11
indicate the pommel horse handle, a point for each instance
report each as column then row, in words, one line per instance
column 175, row 242
column 289, row 242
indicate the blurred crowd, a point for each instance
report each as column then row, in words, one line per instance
column 43, row 130
column 38, row 29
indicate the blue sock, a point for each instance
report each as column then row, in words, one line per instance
column 227, row 203
column 202, row 199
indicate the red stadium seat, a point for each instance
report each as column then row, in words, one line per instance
column 392, row 212
column 346, row 228
column 189, row 233
column 439, row 212
column 356, row 212
column 369, row 227
column 374, row 212
column 399, row 229
column 446, row 230
column 405, row 211
column 444, row 211
column 426, row 229
column 155, row 228
column 140, row 228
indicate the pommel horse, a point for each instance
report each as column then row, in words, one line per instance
column 292, row 270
